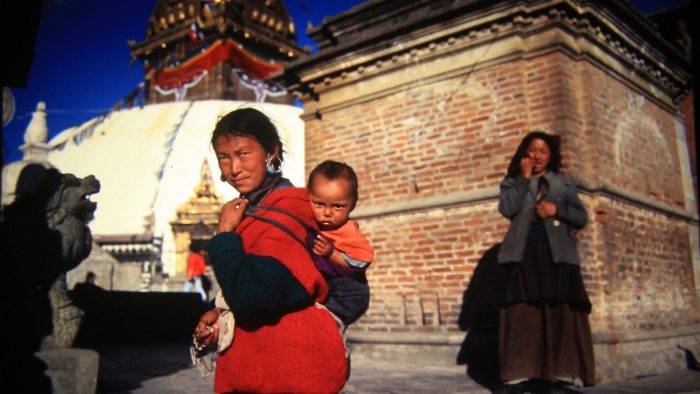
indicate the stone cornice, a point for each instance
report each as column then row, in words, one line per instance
column 587, row 29
column 611, row 338
column 406, row 338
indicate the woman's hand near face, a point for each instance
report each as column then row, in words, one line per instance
column 207, row 330
column 546, row 209
column 231, row 215
column 526, row 165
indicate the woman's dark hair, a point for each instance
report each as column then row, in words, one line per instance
column 552, row 142
column 251, row 123
column 332, row 170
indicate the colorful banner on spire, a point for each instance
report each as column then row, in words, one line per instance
column 225, row 50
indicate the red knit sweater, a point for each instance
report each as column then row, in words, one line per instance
column 303, row 352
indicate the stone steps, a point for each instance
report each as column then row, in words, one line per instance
column 176, row 283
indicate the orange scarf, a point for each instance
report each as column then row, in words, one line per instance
column 349, row 240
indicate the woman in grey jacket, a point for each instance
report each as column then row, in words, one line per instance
column 544, row 333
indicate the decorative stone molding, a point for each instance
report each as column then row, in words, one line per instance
column 491, row 194
column 590, row 29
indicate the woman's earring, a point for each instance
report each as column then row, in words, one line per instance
column 222, row 178
column 278, row 167
column 269, row 166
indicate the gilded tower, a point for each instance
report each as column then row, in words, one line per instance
column 217, row 49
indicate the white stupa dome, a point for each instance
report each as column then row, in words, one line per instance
column 148, row 161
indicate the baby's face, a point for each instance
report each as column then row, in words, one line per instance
column 331, row 202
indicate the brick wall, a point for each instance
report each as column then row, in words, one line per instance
column 457, row 135
column 630, row 141
column 450, row 136
column 424, row 262
column 638, row 269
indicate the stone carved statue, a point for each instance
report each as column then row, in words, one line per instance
column 45, row 234
column 69, row 210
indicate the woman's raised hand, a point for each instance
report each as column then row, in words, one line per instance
column 526, row 165
column 231, row 214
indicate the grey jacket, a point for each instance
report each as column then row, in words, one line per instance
column 517, row 202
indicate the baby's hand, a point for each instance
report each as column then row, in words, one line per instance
column 323, row 247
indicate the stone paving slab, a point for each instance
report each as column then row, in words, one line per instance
column 166, row 368
column 363, row 380
column 683, row 381
column 366, row 379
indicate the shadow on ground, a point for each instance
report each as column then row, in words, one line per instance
column 479, row 317
column 134, row 367
column 125, row 327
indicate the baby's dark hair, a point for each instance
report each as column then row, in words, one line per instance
column 332, row 170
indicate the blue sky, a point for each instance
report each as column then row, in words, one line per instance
column 81, row 62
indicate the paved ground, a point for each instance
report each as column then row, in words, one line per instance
column 684, row 381
column 166, row 368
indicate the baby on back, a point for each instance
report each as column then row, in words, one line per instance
column 342, row 253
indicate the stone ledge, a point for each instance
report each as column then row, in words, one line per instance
column 406, row 351
column 618, row 356
column 406, row 338
column 72, row 371
column 439, row 201
column 664, row 352
column 491, row 193
column 637, row 198
column 612, row 338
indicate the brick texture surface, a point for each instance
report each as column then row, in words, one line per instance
column 458, row 134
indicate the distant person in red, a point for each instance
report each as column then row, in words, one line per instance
column 195, row 271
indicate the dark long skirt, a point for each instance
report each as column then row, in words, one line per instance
column 544, row 331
